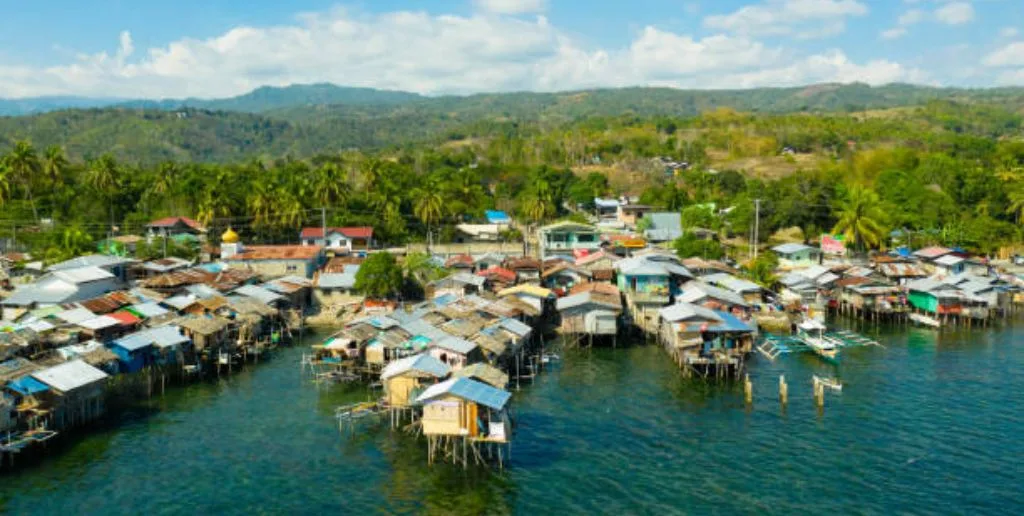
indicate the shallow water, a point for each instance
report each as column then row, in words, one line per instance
column 927, row 424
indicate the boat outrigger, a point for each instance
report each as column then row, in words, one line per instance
column 812, row 333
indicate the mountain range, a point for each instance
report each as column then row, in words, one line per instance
column 303, row 120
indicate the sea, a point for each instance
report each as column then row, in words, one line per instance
column 926, row 423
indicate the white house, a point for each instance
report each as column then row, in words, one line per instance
column 346, row 239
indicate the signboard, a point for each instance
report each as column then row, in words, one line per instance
column 580, row 253
column 833, row 244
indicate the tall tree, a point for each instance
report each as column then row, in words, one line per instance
column 104, row 178
column 379, row 276
column 861, row 218
column 24, row 166
column 55, row 166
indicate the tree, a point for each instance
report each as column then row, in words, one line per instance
column 689, row 246
column 23, row 164
column 861, row 218
column 428, row 205
column 103, row 177
column 379, row 276
column 762, row 270
column 55, row 165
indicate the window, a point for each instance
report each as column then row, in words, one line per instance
column 292, row 268
column 586, row 238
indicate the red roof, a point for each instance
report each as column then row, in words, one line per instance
column 350, row 232
column 499, row 273
column 125, row 318
column 170, row 222
column 459, row 259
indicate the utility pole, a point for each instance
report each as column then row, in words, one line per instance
column 757, row 224
column 323, row 224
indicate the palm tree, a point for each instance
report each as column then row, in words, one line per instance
column 103, row 178
column 329, row 186
column 1016, row 207
column 538, row 204
column 428, row 207
column 861, row 218
column 5, row 184
column 55, row 165
column 24, row 166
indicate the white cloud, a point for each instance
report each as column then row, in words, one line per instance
column 511, row 6
column 910, row 17
column 430, row 54
column 955, row 13
column 1009, row 32
column 1009, row 55
column 894, row 33
column 801, row 18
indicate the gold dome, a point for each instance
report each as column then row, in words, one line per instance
column 229, row 237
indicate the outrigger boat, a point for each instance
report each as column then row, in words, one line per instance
column 812, row 333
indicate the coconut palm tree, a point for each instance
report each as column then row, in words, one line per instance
column 329, row 185
column 1016, row 207
column 55, row 165
column 538, row 204
column 861, row 218
column 428, row 206
column 23, row 164
column 103, row 178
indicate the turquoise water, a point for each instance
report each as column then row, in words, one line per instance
column 928, row 424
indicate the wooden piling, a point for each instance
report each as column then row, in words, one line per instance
column 783, row 390
column 748, row 390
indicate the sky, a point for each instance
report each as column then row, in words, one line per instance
column 220, row 48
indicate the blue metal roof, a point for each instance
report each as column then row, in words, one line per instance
column 730, row 324
column 468, row 389
column 27, row 386
column 134, row 342
column 497, row 217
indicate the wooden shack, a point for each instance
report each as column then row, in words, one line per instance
column 465, row 408
column 405, row 378
column 76, row 393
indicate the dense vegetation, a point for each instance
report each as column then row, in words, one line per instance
column 945, row 171
column 305, row 121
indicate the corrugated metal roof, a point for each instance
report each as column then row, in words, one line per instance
column 527, row 290
column 70, row 375
column 134, row 342
column 517, row 327
column 932, row 252
column 485, row 373
column 75, row 315
column 949, row 260
column 201, row 291
column 337, row 280
column 467, row 389
column 180, row 302
column 730, row 282
column 422, row 363
column 99, row 323
column 167, row 336
column 791, row 248
column 259, row 293
column 696, row 291
column 826, row 278
column 585, row 298
column 456, row 344
column 686, row 311
column 90, row 261
column 149, row 309
column 730, row 324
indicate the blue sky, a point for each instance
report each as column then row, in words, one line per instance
column 217, row 48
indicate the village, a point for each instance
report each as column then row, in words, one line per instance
column 82, row 336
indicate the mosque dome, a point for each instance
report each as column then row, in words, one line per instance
column 229, row 237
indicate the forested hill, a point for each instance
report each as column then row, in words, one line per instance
column 314, row 119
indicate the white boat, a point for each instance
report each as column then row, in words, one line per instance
column 924, row 320
column 831, row 383
column 812, row 333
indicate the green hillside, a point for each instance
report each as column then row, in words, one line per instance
column 303, row 121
